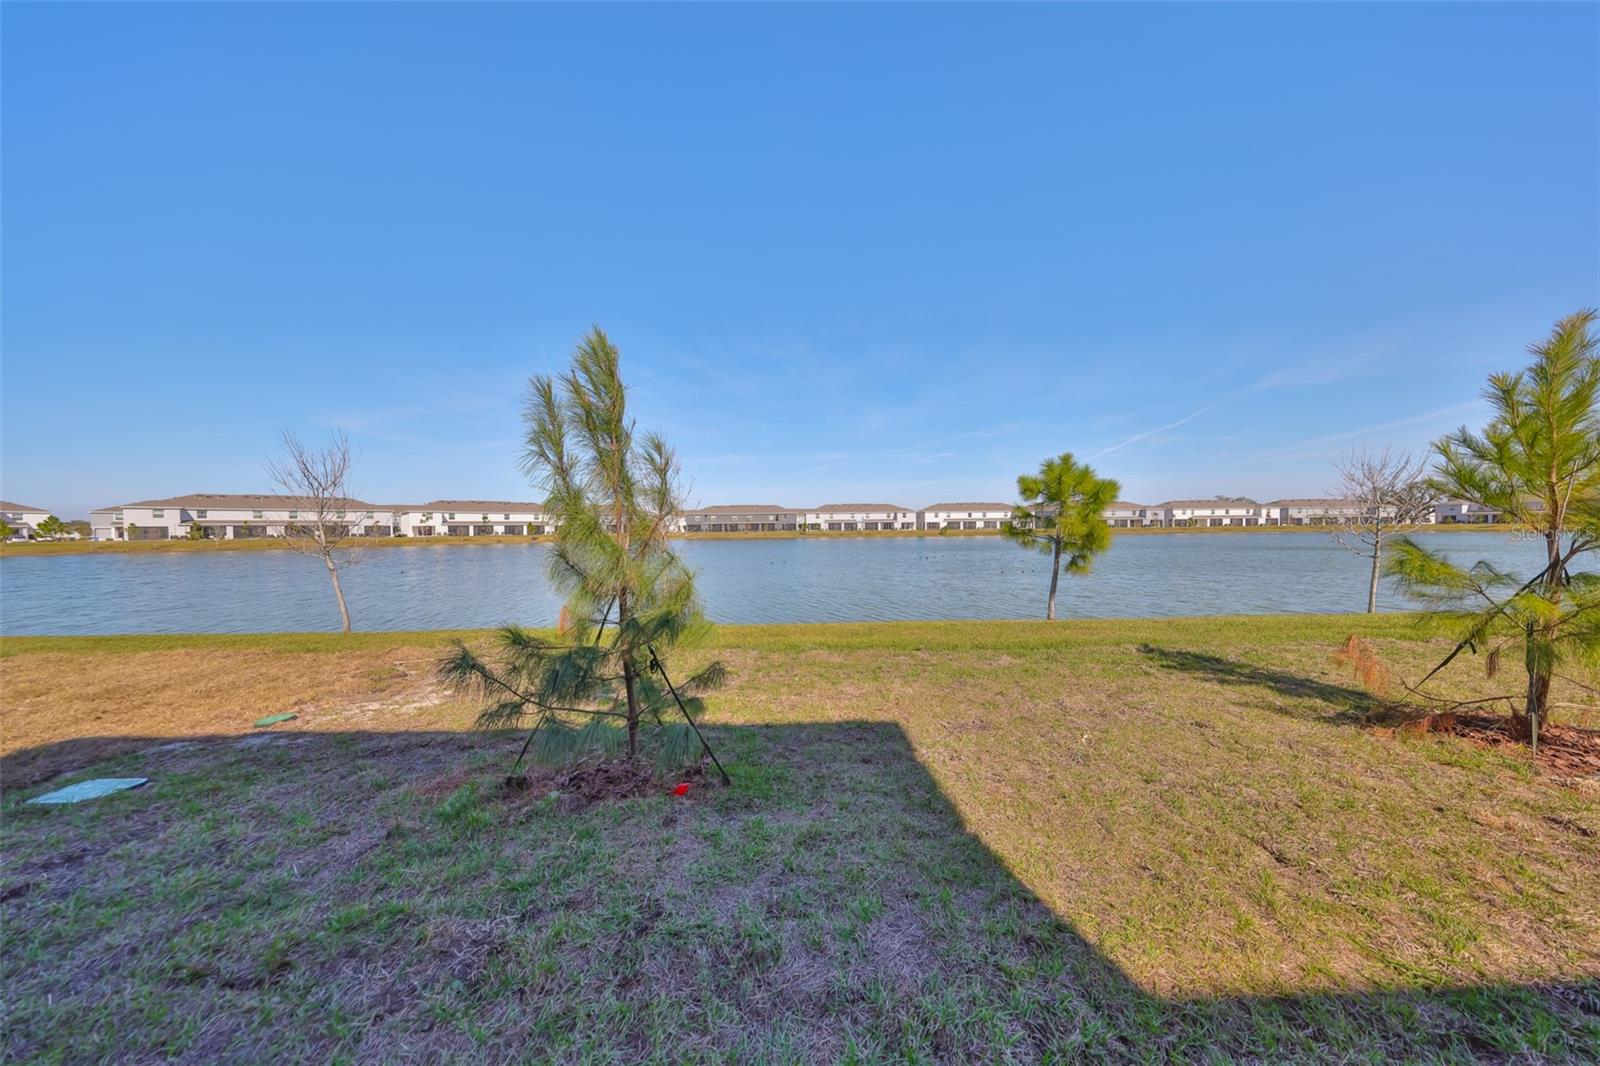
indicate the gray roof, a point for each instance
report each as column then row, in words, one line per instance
column 480, row 506
column 990, row 506
column 7, row 505
column 835, row 508
column 230, row 499
column 1324, row 502
column 741, row 508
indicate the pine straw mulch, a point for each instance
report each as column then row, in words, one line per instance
column 576, row 788
column 1566, row 751
column 585, row 785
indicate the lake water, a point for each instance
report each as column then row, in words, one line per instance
column 817, row 579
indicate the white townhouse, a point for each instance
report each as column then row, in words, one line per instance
column 1125, row 515
column 963, row 515
column 472, row 518
column 1460, row 512
column 740, row 518
column 1209, row 513
column 1311, row 512
column 856, row 517
column 22, row 518
column 225, row 516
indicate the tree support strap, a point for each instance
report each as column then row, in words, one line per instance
column 655, row 664
column 512, row 776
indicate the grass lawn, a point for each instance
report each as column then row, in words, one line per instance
column 1131, row 840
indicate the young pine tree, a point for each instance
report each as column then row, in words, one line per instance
column 1063, row 514
column 601, row 686
column 1538, row 464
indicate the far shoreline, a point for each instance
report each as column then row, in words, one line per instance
column 125, row 547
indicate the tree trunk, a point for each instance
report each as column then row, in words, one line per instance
column 628, row 678
column 1538, row 672
column 338, row 592
column 633, row 710
column 1372, row 589
column 1537, row 687
column 1539, row 698
column 1055, row 576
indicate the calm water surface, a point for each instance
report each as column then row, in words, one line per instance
column 800, row 580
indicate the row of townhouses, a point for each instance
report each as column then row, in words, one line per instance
column 1218, row 512
column 234, row 517
column 231, row 517
column 842, row 517
column 23, row 520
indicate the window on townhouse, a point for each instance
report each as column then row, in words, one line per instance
column 199, row 514
column 338, row 514
column 158, row 513
column 294, row 514
column 255, row 514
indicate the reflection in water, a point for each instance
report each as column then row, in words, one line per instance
column 815, row 579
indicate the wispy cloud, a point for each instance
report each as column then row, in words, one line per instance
column 919, row 452
column 1351, row 359
column 358, row 420
column 1317, row 445
column 986, row 434
column 733, row 458
column 1320, row 372
column 1137, row 437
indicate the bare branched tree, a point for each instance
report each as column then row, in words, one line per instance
column 316, row 491
column 1387, row 494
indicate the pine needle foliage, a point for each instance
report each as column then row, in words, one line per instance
column 1537, row 462
column 599, row 687
column 1063, row 516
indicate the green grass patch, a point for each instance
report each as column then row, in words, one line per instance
column 1151, row 840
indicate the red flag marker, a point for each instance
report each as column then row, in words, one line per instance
column 682, row 789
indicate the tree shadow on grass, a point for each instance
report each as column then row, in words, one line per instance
column 1350, row 705
column 310, row 896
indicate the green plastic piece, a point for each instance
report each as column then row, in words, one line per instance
column 88, row 790
column 274, row 719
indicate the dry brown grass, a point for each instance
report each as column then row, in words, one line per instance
column 121, row 699
column 1197, row 809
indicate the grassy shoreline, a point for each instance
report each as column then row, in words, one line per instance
column 796, row 636
column 1151, row 839
column 94, row 547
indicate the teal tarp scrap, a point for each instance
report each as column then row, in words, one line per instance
column 88, row 790
column 274, row 719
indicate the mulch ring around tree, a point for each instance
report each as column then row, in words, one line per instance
column 580, row 787
column 1564, row 750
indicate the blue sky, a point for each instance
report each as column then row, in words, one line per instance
column 892, row 253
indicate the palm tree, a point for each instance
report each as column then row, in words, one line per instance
column 1063, row 514
column 1537, row 462
column 612, row 494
